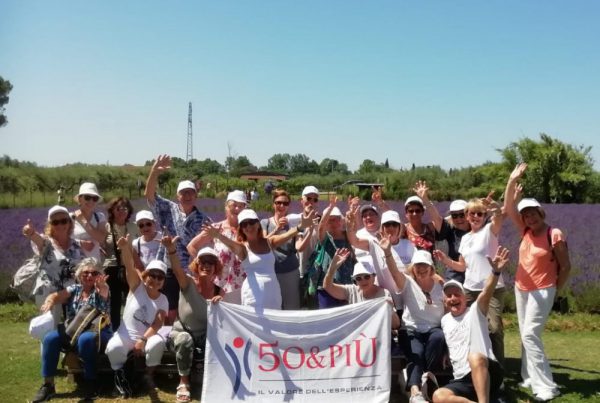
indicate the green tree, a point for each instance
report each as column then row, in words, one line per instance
column 556, row 173
column 5, row 88
column 239, row 165
column 279, row 163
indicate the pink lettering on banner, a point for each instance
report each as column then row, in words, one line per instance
column 295, row 357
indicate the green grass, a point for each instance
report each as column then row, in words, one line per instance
column 574, row 359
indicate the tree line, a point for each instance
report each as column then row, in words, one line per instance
column 557, row 173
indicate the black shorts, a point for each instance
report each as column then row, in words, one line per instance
column 464, row 386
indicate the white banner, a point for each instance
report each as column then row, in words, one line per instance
column 328, row 355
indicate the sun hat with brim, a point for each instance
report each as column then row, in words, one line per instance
column 247, row 214
column 413, row 200
column 367, row 207
column 362, row 268
column 422, row 256
column 237, row 196
column 207, row 251
column 185, row 185
column 57, row 209
column 310, row 190
column 526, row 203
column 88, row 188
column 390, row 216
column 144, row 215
column 156, row 265
column 457, row 205
column 453, row 283
column 41, row 324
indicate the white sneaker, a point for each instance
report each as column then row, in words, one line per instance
column 417, row 399
column 546, row 395
column 526, row 383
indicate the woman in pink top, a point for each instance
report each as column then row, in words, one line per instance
column 542, row 272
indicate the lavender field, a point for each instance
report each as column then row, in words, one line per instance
column 579, row 222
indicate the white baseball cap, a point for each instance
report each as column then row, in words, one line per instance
column 366, row 207
column 334, row 212
column 237, row 196
column 458, row 205
column 526, row 203
column 422, row 256
column 247, row 214
column 413, row 199
column 157, row 265
column 390, row 216
column 207, row 251
column 88, row 188
column 310, row 190
column 362, row 267
column 453, row 283
column 185, row 185
column 57, row 209
column 144, row 215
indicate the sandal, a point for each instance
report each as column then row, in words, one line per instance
column 183, row 393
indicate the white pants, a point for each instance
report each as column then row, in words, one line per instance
column 533, row 308
column 120, row 345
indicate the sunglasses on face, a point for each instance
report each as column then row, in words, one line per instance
column 156, row 276
column 414, row 211
column 123, row 209
column 247, row 223
column 145, row 224
column 363, row 277
column 90, row 273
column 312, row 199
column 91, row 197
column 281, row 203
column 391, row 224
column 476, row 213
column 207, row 262
column 60, row 221
column 457, row 215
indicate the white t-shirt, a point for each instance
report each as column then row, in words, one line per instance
column 403, row 252
column 475, row 248
column 418, row 315
column 364, row 234
column 140, row 312
column 80, row 234
column 467, row 333
column 354, row 293
column 148, row 250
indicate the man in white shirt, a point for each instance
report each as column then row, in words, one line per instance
column 477, row 373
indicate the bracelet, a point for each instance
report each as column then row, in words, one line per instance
column 386, row 256
column 144, row 339
column 497, row 273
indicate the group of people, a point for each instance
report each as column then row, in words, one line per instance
column 175, row 260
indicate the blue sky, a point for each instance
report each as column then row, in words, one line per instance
column 431, row 83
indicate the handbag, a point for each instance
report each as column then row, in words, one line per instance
column 25, row 279
column 87, row 318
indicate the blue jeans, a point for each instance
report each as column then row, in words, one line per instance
column 426, row 353
column 86, row 349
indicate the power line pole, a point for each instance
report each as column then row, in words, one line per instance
column 189, row 155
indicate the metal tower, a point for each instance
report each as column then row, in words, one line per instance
column 189, row 155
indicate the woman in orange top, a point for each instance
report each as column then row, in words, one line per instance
column 542, row 272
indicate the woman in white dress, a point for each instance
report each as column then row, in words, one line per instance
column 260, row 288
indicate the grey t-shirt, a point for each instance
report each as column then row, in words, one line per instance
column 286, row 258
column 192, row 311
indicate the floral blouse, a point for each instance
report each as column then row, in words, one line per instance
column 233, row 274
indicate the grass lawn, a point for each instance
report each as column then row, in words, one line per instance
column 574, row 358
